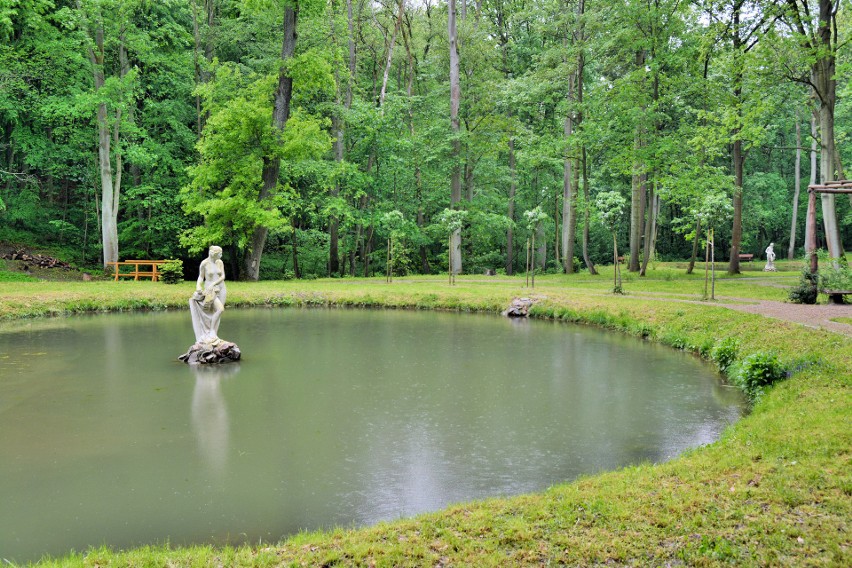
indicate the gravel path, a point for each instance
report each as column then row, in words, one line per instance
column 817, row 316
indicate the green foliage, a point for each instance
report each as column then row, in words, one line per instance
column 535, row 217
column 835, row 274
column 238, row 140
column 172, row 272
column 805, row 292
column 759, row 371
column 393, row 222
column 452, row 220
column 9, row 276
column 725, row 353
column 610, row 208
column 714, row 210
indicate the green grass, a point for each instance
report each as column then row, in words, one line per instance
column 9, row 276
column 776, row 489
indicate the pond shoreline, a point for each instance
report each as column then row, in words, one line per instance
column 774, row 489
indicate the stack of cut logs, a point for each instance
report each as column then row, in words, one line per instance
column 36, row 260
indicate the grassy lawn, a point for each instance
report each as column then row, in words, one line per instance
column 774, row 490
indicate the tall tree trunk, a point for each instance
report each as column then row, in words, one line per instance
column 541, row 250
column 823, row 78
column 586, row 217
column 205, row 43
column 653, row 207
column 637, row 193
column 582, row 165
column 650, row 227
column 569, row 188
column 510, row 234
column 389, row 60
column 809, row 220
column 455, row 102
column 738, row 156
column 418, row 173
column 272, row 166
column 110, row 186
column 294, row 241
column 797, row 186
column 338, row 128
column 737, row 230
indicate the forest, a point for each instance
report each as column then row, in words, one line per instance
column 317, row 138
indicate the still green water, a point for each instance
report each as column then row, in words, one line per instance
column 334, row 417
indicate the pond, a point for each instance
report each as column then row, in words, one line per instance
column 332, row 418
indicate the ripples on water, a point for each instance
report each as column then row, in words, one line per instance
column 334, row 417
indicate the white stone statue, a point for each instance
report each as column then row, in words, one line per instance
column 770, row 259
column 206, row 306
column 208, row 301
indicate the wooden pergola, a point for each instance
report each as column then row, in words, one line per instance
column 840, row 186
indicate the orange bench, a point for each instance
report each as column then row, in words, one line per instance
column 136, row 273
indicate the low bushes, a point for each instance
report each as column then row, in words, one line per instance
column 757, row 372
column 172, row 272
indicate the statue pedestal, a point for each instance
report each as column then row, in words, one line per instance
column 206, row 353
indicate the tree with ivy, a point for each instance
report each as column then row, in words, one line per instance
column 451, row 222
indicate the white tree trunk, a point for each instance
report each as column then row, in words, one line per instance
column 797, row 183
column 455, row 102
column 809, row 221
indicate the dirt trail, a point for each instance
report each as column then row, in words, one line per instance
column 816, row 316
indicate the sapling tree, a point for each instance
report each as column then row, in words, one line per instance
column 393, row 222
column 534, row 218
column 714, row 209
column 451, row 222
column 610, row 206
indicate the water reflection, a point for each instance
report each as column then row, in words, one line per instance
column 210, row 414
column 338, row 418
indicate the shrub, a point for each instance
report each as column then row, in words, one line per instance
column 833, row 277
column 758, row 371
column 706, row 349
column 171, row 272
column 725, row 353
column 805, row 292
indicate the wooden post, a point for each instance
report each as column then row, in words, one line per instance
column 810, row 237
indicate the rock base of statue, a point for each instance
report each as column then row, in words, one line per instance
column 770, row 267
column 206, row 353
column 519, row 308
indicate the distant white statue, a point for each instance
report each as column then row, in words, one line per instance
column 206, row 306
column 770, row 259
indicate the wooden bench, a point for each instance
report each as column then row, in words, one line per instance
column 746, row 257
column 136, row 273
column 836, row 296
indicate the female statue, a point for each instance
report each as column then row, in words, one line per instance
column 208, row 301
column 770, row 259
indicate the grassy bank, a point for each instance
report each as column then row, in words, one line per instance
column 775, row 490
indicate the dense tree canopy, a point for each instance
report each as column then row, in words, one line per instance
column 297, row 128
